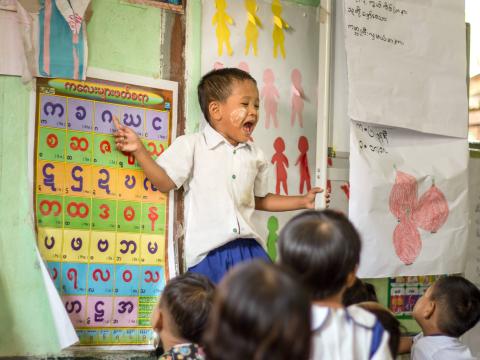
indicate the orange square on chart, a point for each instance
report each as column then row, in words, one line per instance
column 50, row 177
column 150, row 193
column 78, row 179
column 104, row 182
column 130, row 184
column 49, row 242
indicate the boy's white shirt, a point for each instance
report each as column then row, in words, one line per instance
column 439, row 347
column 220, row 183
column 345, row 333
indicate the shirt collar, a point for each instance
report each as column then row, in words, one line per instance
column 213, row 138
column 319, row 316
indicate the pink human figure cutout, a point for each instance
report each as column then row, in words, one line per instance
column 302, row 161
column 269, row 94
column 218, row 65
column 244, row 66
column 297, row 97
column 281, row 162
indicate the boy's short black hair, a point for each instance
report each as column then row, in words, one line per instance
column 459, row 304
column 188, row 299
column 260, row 312
column 323, row 248
column 359, row 292
column 216, row 85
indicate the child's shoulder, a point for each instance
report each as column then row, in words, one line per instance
column 352, row 314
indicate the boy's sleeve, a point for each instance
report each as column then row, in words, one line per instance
column 260, row 188
column 177, row 160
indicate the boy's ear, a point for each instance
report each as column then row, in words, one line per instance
column 157, row 320
column 429, row 309
column 215, row 111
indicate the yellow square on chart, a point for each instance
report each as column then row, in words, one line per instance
column 75, row 245
column 152, row 249
column 50, row 243
column 130, row 184
column 102, row 247
column 127, row 250
column 78, row 180
column 104, row 182
column 50, row 177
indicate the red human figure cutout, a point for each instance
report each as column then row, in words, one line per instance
column 346, row 189
column 303, row 162
column 281, row 162
column 297, row 97
column 269, row 95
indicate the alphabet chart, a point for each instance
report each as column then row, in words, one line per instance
column 102, row 225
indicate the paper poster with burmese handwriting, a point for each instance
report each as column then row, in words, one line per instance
column 408, row 200
column 102, row 225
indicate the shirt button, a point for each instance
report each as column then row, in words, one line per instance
column 235, row 230
column 233, row 177
column 234, row 152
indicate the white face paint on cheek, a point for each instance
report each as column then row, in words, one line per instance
column 238, row 115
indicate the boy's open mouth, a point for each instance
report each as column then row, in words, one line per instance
column 248, row 127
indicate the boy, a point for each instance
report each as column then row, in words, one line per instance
column 181, row 316
column 448, row 309
column 223, row 173
column 323, row 249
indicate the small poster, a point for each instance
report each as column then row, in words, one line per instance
column 102, row 225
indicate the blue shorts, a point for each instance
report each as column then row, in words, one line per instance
column 218, row 261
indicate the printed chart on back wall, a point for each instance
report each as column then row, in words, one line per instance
column 102, row 225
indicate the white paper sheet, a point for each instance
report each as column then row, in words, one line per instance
column 407, row 64
column 65, row 330
column 414, row 228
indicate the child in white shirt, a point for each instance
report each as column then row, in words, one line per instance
column 323, row 249
column 448, row 309
column 223, row 173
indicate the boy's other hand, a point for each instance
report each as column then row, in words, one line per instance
column 125, row 138
column 310, row 197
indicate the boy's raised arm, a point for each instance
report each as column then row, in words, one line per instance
column 273, row 202
column 127, row 140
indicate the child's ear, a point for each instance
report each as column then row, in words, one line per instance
column 429, row 309
column 351, row 277
column 157, row 319
column 215, row 111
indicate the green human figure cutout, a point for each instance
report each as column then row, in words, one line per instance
column 272, row 225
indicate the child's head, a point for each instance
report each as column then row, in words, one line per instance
column 229, row 101
column 359, row 292
column 323, row 248
column 450, row 306
column 388, row 321
column 184, row 307
column 260, row 313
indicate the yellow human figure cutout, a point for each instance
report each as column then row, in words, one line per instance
column 278, row 25
column 251, row 30
column 222, row 20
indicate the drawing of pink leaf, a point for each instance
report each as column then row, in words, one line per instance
column 403, row 196
column 407, row 242
column 431, row 211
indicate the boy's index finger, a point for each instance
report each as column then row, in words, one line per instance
column 116, row 123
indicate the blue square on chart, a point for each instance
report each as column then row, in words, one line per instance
column 153, row 280
column 54, row 271
column 74, row 279
column 126, row 280
column 100, row 279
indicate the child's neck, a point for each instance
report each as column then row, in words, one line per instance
column 431, row 329
column 169, row 340
column 334, row 301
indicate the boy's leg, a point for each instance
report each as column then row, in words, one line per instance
column 218, row 261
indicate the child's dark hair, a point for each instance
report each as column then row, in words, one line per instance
column 260, row 312
column 188, row 299
column 217, row 86
column 459, row 304
column 360, row 291
column 323, row 248
column 389, row 323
